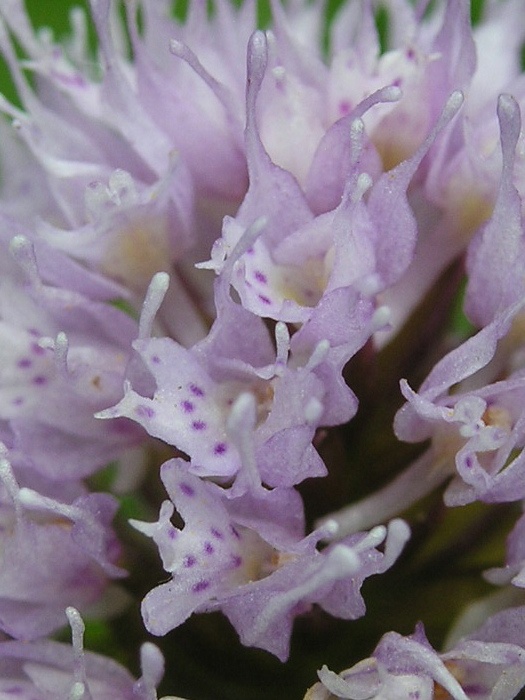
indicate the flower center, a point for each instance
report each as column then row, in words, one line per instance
column 259, row 559
column 136, row 252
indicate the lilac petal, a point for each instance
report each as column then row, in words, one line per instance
column 264, row 618
column 91, row 517
column 454, row 40
column 213, row 552
column 335, row 160
column 273, row 192
column 186, row 406
column 395, row 226
column 63, row 672
column 495, row 270
column 408, row 654
column 464, row 361
column 350, row 685
column 160, row 615
column 118, row 99
column 236, row 333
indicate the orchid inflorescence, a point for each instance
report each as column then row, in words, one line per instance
column 262, row 320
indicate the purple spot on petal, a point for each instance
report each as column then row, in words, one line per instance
column 189, row 561
column 236, row 561
column 24, row 362
column 260, row 277
column 155, row 359
column 216, row 533
column 264, row 299
column 198, row 425
column 186, row 489
column 250, row 250
column 209, row 548
column 172, row 534
column 187, row 406
column 196, row 390
column 344, row 107
column 200, row 586
column 468, row 461
column 37, row 350
column 235, row 532
column 220, row 448
column 18, row 401
column 39, row 380
column 144, row 411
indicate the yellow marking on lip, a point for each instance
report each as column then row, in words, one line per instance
column 137, row 252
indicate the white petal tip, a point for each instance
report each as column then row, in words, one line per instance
column 392, row 93
column 177, row 48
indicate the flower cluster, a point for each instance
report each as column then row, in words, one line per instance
column 229, row 255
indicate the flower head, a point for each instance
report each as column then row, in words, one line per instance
column 228, row 254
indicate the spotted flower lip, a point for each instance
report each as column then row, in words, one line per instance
column 191, row 409
column 246, row 557
column 59, row 342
